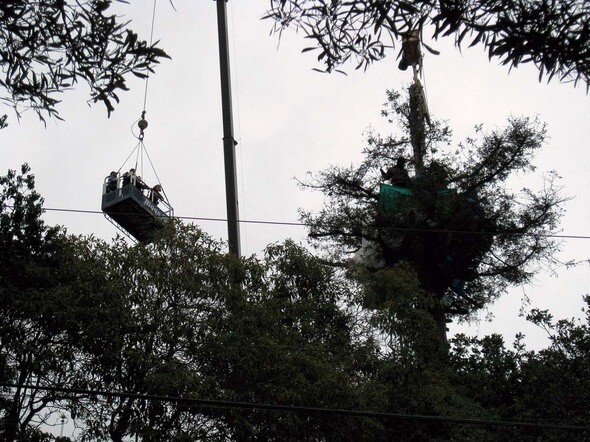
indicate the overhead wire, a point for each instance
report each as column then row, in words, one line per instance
column 218, row 403
column 300, row 224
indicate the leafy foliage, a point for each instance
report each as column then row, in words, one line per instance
column 286, row 340
column 33, row 347
column 139, row 331
column 176, row 324
column 552, row 385
column 460, row 224
column 169, row 319
column 48, row 46
column 554, row 35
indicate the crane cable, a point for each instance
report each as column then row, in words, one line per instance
column 148, row 71
column 242, row 189
column 142, row 123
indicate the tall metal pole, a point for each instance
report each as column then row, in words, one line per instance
column 229, row 143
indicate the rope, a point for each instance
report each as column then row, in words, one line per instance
column 156, row 173
column 127, row 159
column 139, row 152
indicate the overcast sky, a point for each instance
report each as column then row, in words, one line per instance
column 290, row 120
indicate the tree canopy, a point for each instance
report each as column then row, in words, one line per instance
column 169, row 320
column 508, row 380
column 31, row 348
column 466, row 235
column 49, row 46
column 553, row 35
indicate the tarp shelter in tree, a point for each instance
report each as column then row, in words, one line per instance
column 391, row 197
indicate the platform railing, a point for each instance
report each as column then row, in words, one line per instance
column 115, row 184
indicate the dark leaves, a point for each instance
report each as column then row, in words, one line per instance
column 481, row 233
column 554, row 35
column 48, row 46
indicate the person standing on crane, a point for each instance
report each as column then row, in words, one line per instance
column 410, row 53
column 112, row 182
column 156, row 194
column 129, row 177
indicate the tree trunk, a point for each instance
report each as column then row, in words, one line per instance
column 417, row 120
column 10, row 432
column 438, row 314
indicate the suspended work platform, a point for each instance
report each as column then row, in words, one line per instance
column 134, row 207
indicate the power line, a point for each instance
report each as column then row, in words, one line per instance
column 300, row 224
column 218, row 403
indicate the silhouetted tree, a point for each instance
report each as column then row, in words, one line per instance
column 550, row 385
column 33, row 347
column 554, row 35
column 170, row 320
column 48, row 46
column 465, row 234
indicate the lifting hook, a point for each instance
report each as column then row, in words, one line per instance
column 142, row 123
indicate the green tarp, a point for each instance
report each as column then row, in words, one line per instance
column 390, row 196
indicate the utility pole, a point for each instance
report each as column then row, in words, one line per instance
column 229, row 142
